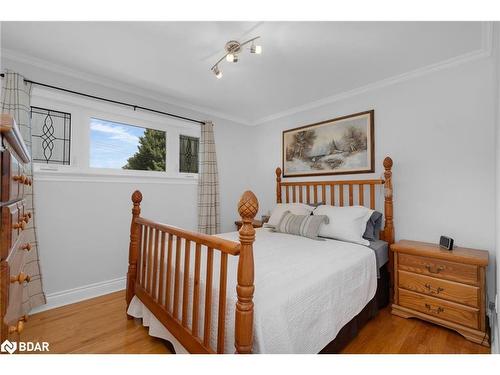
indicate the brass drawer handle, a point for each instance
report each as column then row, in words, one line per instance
column 21, row 278
column 19, row 225
column 19, row 327
column 26, row 246
column 436, row 291
column 434, row 270
column 436, row 311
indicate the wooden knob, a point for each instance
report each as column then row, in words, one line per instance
column 20, row 178
column 27, row 217
column 26, row 246
column 20, row 225
column 19, row 327
column 21, row 278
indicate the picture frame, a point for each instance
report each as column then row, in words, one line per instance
column 343, row 145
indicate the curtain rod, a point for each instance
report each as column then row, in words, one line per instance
column 135, row 107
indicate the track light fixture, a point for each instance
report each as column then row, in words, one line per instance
column 233, row 49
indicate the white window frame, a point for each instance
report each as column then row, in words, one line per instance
column 82, row 111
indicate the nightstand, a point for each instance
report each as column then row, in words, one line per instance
column 255, row 223
column 442, row 286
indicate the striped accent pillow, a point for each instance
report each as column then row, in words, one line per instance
column 301, row 225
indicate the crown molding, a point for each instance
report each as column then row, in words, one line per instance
column 115, row 85
column 484, row 52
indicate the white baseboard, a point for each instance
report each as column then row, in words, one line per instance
column 82, row 293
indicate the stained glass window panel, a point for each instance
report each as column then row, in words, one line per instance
column 50, row 136
column 189, row 150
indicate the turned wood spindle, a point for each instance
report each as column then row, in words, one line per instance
column 134, row 247
column 248, row 207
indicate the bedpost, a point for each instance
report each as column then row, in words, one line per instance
column 247, row 208
column 133, row 251
column 388, row 212
column 388, row 234
column 278, row 185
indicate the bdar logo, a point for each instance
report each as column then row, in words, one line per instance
column 8, row 347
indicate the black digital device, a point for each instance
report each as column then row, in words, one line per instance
column 446, row 243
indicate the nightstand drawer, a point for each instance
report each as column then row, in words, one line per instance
column 448, row 290
column 449, row 311
column 464, row 273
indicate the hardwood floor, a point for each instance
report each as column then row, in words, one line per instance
column 97, row 325
column 100, row 325
column 390, row 334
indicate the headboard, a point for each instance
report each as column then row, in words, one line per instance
column 341, row 193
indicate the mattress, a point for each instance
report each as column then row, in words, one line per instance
column 381, row 250
column 305, row 292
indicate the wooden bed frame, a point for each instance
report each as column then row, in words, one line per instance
column 151, row 247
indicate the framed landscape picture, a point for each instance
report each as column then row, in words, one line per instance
column 342, row 145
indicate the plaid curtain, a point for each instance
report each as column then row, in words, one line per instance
column 208, row 183
column 15, row 99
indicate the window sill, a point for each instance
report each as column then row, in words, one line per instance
column 69, row 174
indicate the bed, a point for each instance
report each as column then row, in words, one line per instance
column 257, row 291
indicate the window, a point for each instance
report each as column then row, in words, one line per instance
column 121, row 146
column 188, row 157
column 50, row 136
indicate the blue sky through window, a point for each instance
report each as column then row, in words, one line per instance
column 112, row 143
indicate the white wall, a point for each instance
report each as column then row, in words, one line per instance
column 496, row 330
column 440, row 131
column 83, row 222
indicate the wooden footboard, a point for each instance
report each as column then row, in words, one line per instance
column 156, row 276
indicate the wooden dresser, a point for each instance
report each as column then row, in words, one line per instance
column 14, row 218
column 441, row 286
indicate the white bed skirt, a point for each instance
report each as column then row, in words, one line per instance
column 156, row 329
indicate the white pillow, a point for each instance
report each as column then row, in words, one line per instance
column 294, row 208
column 345, row 223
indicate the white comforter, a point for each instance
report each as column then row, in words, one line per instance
column 305, row 292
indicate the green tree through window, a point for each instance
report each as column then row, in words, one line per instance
column 151, row 152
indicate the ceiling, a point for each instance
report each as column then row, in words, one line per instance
column 301, row 63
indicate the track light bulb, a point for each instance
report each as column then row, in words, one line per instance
column 256, row 49
column 230, row 57
column 217, row 72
